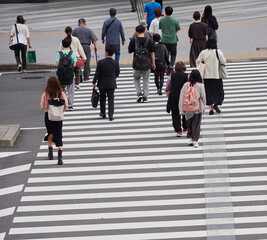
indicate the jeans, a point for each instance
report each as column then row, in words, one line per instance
column 172, row 49
column 69, row 91
column 87, row 69
column 117, row 51
column 23, row 51
column 137, row 74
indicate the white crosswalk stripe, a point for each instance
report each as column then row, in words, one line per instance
column 133, row 179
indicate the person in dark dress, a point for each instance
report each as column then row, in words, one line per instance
column 211, row 20
column 173, row 88
column 198, row 34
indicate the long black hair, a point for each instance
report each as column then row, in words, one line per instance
column 195, row 77
column 207, row 12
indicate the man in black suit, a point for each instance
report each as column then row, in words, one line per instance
column 107, row 70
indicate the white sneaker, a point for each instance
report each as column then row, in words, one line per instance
column 77, row 86
column 19, row 67
column 196, row 145
column 191, row 143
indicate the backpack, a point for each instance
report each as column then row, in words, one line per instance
column 141, row 59
column 65, row 70
column 159, row 57
column 191, row 99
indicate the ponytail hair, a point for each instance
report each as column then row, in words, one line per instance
column 68, row 31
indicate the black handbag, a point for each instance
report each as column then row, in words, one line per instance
column 95, row 98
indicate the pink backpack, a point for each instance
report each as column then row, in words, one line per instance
column 191, row 99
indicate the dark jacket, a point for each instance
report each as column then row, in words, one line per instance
column 107, row 70
column 178, row 79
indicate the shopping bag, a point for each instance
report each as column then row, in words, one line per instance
column 31, row 57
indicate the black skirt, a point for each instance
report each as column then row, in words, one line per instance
column 54, row 128
column 214, row 91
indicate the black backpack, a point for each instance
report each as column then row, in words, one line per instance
column 141, row 59
column 65, row 69
column 159, row 57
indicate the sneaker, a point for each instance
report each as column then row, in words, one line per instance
column 196, row 145
column 103, row 115
column 19, row 67
column 70, row 108
column 215, row 107
column 77, row 86
column 145, row 99
column 179, row 134
column 185, row 130
column 139, row 99
column 24, row 71
column 190, row 142
column 211, row 112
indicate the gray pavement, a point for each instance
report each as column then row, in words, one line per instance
column 242, row 25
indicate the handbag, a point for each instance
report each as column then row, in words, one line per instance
column 222, row 70
column 95, row 98
column 56, row 109
column 80, row 62
column 31, row 56
column 17, row 40
column 201, row 67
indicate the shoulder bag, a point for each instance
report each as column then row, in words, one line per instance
column 222, row 70
column 17, row 40
column 56, row 109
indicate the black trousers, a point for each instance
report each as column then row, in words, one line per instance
column 22, row 60
column 172, row 49
column 176, row 121
column 104, row 93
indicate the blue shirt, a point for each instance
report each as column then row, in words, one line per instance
column 149, row 9
column 113, row 32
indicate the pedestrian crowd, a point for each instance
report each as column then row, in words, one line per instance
column 154, row 48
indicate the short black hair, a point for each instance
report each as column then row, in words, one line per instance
column 66, row 42
column 140, row 29
column 196, row 15
column 211, row 43
column 110, row 50
column 195, row 77
column 168, row 10
column 156, row 37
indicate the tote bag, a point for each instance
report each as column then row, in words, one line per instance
column 222, row 70
column 17, row 40
column 31, row 56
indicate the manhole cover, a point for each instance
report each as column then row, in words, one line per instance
column 35, row 77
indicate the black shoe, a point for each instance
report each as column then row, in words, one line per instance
column 215, row 107
column 103, row 115
column 133, row 10
column 211, row 112
column 145, row 99
column 59, row 158
column 111, row 118
column 139, row 99
column 50, row 153
column 160, row 92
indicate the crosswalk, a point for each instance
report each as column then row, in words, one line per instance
column 134, row 179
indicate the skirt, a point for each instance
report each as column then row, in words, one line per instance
column 54, row 128
column 214, row 91
column 196, row 47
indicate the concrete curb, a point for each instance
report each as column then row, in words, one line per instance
column 8, row 135
column 123, row 63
